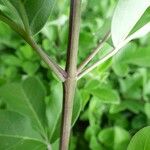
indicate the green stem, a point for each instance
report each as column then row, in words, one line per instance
column 69, row 85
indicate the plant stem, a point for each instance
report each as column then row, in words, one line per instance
column 105, row 58
column 94, row 52
column 69, row 85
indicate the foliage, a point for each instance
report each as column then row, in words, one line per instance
column 140, row 140
column 113, row 101
column 31, row 15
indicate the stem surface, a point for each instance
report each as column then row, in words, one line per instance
column 71, row 68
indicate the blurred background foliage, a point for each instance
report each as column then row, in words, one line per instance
column 114, row 98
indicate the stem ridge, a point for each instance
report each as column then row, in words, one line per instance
column 69, row 85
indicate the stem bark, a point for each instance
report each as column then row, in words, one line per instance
column 69, row 85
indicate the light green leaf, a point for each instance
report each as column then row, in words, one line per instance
column 126, row 15
column 27, row 98
column 17, row 133
column 106, row 95
column 141, row 140
column 131, row 105
column 115, row 137
column 106, row 136
column 130, row 54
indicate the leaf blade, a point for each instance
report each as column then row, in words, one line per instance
column 23, row 97
column 125, row 18
column 141, row 140
column 16, row 131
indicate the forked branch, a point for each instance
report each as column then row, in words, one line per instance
column 94, row 52
column 105, row 58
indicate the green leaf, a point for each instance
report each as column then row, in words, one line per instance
column 131, row 86
column 147, row 110
column 30, row 67
column 131, row 54
column 141, row 28
column 27, row 98
column 8, row 38
column 32, row 13
column 131, row 105
column 143, row 20
column 54, row 109
column 115, row 137
column 54, row 106
column 77, row 106
column 125, row 18
column 106, row 136
column 26, row 51
column 106, row 95
column 17, row 133
column 11, row 60
column 94, row 144
column 140, row 33
column 21, row 144
column 141, row 140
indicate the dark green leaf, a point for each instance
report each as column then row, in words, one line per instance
column 32, row 13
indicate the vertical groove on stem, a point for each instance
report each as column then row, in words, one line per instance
column 69, row 85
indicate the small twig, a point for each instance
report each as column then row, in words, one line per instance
column 105, row 58
column 94, row 52
column 61, row 74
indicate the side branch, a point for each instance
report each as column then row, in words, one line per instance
column 105, row 58
column 61, row 74
column 94, row 52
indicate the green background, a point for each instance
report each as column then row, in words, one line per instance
column 113, row 100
